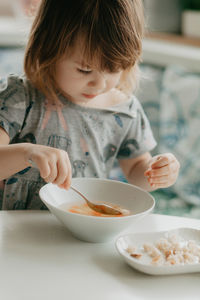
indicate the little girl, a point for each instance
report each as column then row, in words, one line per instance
column 74, row 113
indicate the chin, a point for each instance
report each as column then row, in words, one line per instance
column 81, row 101
column 85, row 101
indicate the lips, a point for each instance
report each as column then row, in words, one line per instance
column 89, row 96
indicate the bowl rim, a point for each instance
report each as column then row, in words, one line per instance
column 102, row 217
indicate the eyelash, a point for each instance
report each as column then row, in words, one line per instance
column 84, row 71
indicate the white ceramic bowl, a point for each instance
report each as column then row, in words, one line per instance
column 91, row 228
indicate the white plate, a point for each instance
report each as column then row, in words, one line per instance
column 144, row 265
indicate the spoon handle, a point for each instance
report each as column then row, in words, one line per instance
column 75, row 190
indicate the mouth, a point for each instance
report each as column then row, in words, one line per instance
column 89, row 96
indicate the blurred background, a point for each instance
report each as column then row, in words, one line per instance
column 169, row 89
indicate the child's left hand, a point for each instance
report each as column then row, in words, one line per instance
column 163, row 171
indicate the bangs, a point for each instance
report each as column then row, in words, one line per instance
column 109, row 37
column 98, row 55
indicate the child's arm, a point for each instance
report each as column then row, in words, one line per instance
column 151, row 173
column 53, row 164
column 11, row 157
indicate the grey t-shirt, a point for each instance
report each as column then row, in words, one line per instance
column 93, row 137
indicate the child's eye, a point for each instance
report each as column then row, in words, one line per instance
column 84, row 71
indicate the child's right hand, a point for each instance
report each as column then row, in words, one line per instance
column 53, row 164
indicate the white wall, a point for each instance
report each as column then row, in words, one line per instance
column 6, row 7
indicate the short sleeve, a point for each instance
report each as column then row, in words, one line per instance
column 12, row 105
column 139, row 137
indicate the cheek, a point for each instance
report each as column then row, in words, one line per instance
column 67, row 80
column 113, row 81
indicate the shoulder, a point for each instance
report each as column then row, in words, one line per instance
column 12, row 81
column 129, row 102
column 11, row 86
column 135, row 104
column 128, row 105
column 14, row 91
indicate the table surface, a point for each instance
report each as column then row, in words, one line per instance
column 40, row 259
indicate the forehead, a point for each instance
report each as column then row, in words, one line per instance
column 92, row 56
column 78, row 54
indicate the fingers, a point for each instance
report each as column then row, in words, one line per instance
column 68, row 180
column 161, row 181
column 157, row 162
column 61, row 174
column 53, row 171
column 53, row 164
column 45, row 170
column 163, row 160
column 63, row 178
column 163, row 171
column 42, row 165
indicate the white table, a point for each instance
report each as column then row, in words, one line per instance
column 40, row 260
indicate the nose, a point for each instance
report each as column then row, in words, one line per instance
column 98, row 81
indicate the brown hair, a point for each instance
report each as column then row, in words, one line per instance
column 112, row 29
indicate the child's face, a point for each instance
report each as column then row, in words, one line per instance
column 80, row 83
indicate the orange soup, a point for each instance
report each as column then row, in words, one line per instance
column 84, row 209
